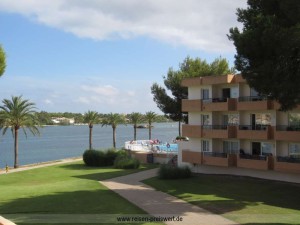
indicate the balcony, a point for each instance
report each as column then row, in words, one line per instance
column 191, row 131
column 218, row 131
column 287, row 133
column 255, row 162
column 191, row 105
column 219, row 104
column 189, row 156
column 258, row 132
column 219, row 159
column 254, row 103
column 287, row 164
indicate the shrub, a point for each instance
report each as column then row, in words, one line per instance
column 92, row 157
column 126, row 162
column 171, row 172
column 101, row 158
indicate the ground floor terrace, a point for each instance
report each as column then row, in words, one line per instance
column 251, row 154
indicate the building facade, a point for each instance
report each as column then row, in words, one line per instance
column 231, row 125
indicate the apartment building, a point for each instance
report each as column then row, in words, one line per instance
column 231, row 125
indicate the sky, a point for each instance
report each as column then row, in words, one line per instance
column 104, row 55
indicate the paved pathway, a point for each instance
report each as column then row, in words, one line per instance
column 263, row 174
column 4, row 221
column 157, row 203
column 39, row 165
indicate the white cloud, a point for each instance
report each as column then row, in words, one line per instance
column 106, row 90
column 197, row 24
column 48, row 101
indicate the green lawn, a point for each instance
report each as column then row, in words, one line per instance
column 241, row 199
column 63, row 189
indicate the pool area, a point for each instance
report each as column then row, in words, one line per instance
column 166, row 147
column 151, row 146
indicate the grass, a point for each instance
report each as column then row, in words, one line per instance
column 241, row 199
column 63, row 189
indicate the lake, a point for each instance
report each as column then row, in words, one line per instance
column 59, row 142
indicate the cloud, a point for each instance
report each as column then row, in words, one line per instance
column 196, row 24
column 48, row 101
column 106, row 90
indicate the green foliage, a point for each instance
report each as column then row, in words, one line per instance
column 15, row 114
column 113, row 119
column 2, row 61
column 125, row 162
column 44, row 118
column 171, row 105
column 268, row 49
column 91, row 117
column 150, row 118
column 171, row 172
column 101, row 158
column 135, row 118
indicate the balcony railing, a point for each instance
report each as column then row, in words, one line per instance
column 214, row 127
column 210, row 100
column 288, row 128
column 253, row 157
column 252, row 98
column 215, row 154
column 253, row 127
column 288, row 159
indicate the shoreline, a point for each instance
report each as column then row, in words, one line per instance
column 39, row 165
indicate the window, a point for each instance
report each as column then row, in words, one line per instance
column 205, row 119
column 231, row 147
column 231, row 119
column 294, row 119
column 205, row 146
column 253, row 92
column 266, row 148
column 205, row 94
column 261, row 118
column 294, row 149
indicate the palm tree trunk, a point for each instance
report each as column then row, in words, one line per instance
column 90, row 137
column 114, row 137
column 16, row 164
column 150, row 132
column 179, row 128
column 134, row 136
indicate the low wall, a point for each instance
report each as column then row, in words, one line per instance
column 287, row 167
column 160, row 158
column 215, row 161
column 253, row 164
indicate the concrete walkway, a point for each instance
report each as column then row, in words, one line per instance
column 263, row 174
column 160, row 204
column 39, row 165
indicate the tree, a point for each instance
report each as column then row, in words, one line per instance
column 113, row 119
column 135, row 118
column 91, row 118
column 171, row 105
column 150, row 117
column 15, row 114
column 2, row 61
column 268, row 49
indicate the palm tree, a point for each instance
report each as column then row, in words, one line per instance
column 15, row 114
column 135, row 118
column 91, row 118
column 113, row 119
column 150, row 117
